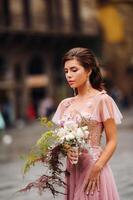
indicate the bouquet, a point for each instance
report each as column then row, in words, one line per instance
column 72, row 136
column 50, row 148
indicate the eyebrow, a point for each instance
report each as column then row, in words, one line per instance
column 70, row 67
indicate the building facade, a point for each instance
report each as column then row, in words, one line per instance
column 33, row 37
column 34, row 34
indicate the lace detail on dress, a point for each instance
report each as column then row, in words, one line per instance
column 94, row 112
column 95, row 128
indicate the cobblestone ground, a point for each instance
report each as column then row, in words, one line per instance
column 10, row 165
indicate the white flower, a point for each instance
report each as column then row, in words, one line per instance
column 69, row 136
column 70, row 125
column 85, row 128
column 79, row 133
column 86, row 134
column 61, row 132
column 70, row 131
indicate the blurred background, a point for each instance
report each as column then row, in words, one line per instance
column 34, row 35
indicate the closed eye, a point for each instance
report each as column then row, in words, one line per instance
column 73, row 69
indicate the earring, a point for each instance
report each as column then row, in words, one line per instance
column 74, row 91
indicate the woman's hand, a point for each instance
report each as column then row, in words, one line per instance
column 92, row 181
column 72, row 155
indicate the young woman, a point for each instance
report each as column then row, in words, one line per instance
column 91, row 178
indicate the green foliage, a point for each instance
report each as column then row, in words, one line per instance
column 45, row 122
column 30, row 160
column 39, row 152
column 47, row 139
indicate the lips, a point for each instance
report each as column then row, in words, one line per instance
column 70, row 82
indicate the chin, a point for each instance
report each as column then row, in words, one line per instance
column 73, row 86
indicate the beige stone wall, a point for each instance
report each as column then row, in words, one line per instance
column 66, row 15
column 17, row 14
column 38, row 13
column 88, row 17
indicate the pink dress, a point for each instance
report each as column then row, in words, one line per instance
column 96, row 110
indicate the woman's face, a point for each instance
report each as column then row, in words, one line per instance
column 75, row 73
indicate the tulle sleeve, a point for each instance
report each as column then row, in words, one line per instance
column 109, row 110
column 57, row 115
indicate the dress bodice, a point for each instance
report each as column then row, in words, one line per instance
column 95, row 128
column 94, row 111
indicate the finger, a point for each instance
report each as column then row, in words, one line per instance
column 85, row 184
column 74, row 154
column 73, row 151
column 93, row 188
column 74, row 157
column 70, row 154
column 98, row 183
column 73, row 161
column 71, row 158
column 89, row 187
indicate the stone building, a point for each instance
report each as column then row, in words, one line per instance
column 33, row 37
column 34, row 34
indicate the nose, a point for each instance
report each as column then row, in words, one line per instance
column 69, row 75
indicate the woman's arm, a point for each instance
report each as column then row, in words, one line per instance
column 111, row 142
column 93, row 179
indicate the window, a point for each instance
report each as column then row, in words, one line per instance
column 16, row 13
column 36, row 65
column 38, row 9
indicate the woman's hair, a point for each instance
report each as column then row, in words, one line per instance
column 87, row 59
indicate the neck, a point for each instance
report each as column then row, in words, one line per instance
column 85, row 89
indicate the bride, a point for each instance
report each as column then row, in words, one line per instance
column 91, row 178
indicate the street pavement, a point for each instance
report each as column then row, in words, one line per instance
column 11, row 179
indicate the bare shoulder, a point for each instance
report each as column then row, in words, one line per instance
column 66, row 102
